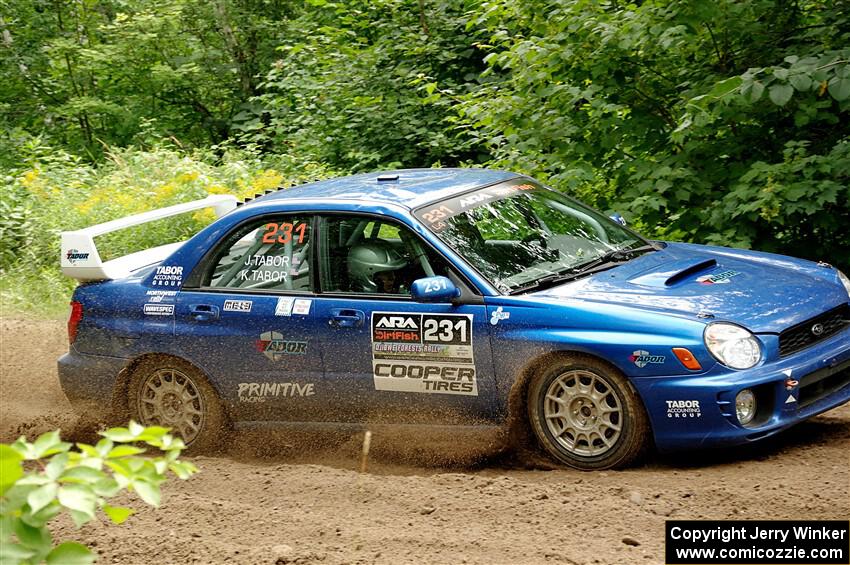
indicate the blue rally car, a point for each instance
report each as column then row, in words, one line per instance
column 452, row 297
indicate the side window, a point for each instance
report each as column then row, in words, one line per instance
column 367, row 256
column 268, row 255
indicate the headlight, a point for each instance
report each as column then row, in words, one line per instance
column 745, row 406
column 732, row 345
column 845, row 281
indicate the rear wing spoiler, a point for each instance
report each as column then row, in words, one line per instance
column 79, row 257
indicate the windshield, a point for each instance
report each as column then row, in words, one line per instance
column 518, row 232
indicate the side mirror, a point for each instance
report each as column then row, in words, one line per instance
column 434, row 289
column 617, row 217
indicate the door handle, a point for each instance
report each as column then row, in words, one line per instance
column 346, row 318
column 203, row 312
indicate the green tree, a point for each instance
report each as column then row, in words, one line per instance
column 710, row 121
column 90, row 74
column 355, row 87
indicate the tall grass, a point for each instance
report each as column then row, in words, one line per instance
column 53, row 191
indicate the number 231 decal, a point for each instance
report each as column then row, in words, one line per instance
column 282, row 233
column 435, row 285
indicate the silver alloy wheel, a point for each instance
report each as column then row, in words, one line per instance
column 169, row 398
column 583, row 413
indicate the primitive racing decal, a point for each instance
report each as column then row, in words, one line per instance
column 260, row 392
column 430, row 353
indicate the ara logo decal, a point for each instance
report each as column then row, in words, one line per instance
column 718, row 278
column 642, row 358
column 275, row 347
column 397, row 322
column 73, row 256
column 498, row 315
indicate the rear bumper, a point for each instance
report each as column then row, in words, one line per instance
column 88, row 381
column 688, row 412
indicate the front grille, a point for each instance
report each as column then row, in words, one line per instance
column 822, row 383
column 801, row 336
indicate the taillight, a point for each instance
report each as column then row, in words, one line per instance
column 74, row 320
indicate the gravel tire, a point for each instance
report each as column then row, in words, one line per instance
column 585, row 414
column 170, row 392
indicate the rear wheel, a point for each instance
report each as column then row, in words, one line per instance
column 170, row 392
column 586, row 414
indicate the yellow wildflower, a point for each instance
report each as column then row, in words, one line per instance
column 217, row 189
column 30, row 177
column 205, row 216
column 266, row 179
column 187, row 177
column 164, row 192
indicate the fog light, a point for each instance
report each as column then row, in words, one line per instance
column 745, row 406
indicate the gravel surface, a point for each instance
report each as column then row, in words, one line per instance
column 296, row 499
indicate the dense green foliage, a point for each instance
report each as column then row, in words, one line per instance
column 41, row 480
column 722, row 122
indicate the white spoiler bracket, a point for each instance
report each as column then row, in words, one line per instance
column 80, row 259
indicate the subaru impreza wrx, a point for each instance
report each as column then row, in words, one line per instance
column 452, row 297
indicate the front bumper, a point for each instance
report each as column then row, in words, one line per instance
column 689, row 412
column 88, row 381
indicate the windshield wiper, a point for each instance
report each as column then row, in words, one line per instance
column 548, row 280
column 602, row 263
column 614, row 257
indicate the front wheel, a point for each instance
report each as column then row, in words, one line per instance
column 172, row 393
column 585, row 414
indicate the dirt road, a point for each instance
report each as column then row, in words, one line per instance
column 309, row 505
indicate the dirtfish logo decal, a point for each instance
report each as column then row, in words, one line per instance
column 718, row 278
column 498, row 315
column 275, row 347
column 642, row 358
column 73, row 256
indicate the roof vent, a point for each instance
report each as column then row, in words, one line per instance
column 388, row 177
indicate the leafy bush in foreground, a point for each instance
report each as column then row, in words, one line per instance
column 78, row 482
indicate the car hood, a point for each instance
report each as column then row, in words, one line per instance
column 763, row 292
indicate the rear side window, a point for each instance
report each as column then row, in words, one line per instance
column 269, row 255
